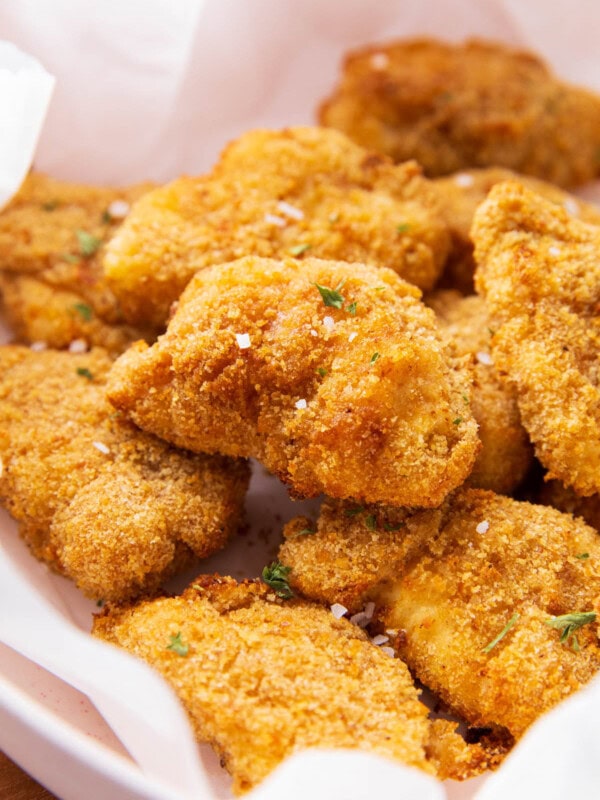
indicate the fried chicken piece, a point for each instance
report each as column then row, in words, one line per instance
column 455, row 759
column 262, row 678
column 462, row 192
column 111, row 507
column 450, row 581
column 275, row 194
column 538, row 270
column 52, row 237
column 354, row 395
column 554, row 494
column 476, row 104
column 506, row 454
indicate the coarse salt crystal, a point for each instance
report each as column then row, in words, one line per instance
column 485, row 358
column 38, row 347
column 554, row 251
column 392, row 631
column 360, row 619
column 379, row 639
column 389, row 651
column 102, row 447
column 369, row 609
column 273, row 219
column 289, row 210
column 463, row 180
column 313, row 332
column 379, row 61
column 483, row 527
column 329, row 323
column 571, row 206
column 118, row 209
column 301, row 403
column 78, row 346
column 243, row 340
column 352, row 336
column 338, row 610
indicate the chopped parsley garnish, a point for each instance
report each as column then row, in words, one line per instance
column 351, row 308
column 457, row 421
column 331, row 297
column 322, row 372
column 375, row 357
column 85, row 373
column 106, row 218
column 298, row 249
column 389, row 527
column 466, row 399
column 70, row 258
column 583, row 556
column 403, row 227
column 177, row 645
column 491, row 331
column 304, row 532
column 99, row 603
column 511, row 622
column 379, row 289
column 276, row 576
column 84, row 311
column 570, row 624
column 51, row 205
column 371, row 522
column 88, row 243
column 352, row 512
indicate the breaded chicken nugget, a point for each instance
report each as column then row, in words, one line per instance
column 486, row 599
column 113, row 508
column 554, row 494
column 52, row 237
column 274, row 194
column 462, row 192
column 347, row 390
column 539, row 272
column 263, row 678
column 475, row 104
column 506, row 452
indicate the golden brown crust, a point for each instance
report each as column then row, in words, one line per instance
column 53, row 292
column 449, row 584
column 367, row 404
column 554, row 494
column 540, row 276
column 263, row 678
column 506, row 454
column 476, row 104
column 346, row 204
column 113, row 508
column 455, row 759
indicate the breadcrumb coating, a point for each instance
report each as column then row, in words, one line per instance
column 263, row 678
column 51, row 276
column 506, row 454
column 539, row 273
column 111, row 507
column 360, row 401
column 554, row 494
column 462, row 192
column 448, row 582
column 273, row 194
column 476, row 104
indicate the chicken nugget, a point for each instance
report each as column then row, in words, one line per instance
column 487, row 599
column 539, row 272
column 347, row 390
column 506, row 454
column 477, row 104
column 274, row 194
column 111, row 507
column 52, row 237
column 263, row 678
column 462, row 192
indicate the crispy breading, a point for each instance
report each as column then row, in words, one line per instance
column 506, row 454
column 554, row 494
column 113, row 508
column 51, row 281
column 273, row 194
column 455, row 759
column 462, row 192
column 264, row 678
column 448, row 582
column 360, row 401
column 475, row 104
column 539, row 272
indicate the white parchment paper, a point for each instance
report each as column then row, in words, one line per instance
column 153, row 89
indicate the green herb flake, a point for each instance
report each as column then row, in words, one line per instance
column 353, row 512
column 351, row 309
column 88, row 243
column 570, row 624
column 322, row 372
column 379, row 289
column 387, row 526
column 491, row 331
column 70, row 258
column 177, row 645
column 403, row 227
column 84, row 311
column 583, row 556
column 511, row 622
column 298, row 249
column 99, row 603
column 466, row 399
column 371, row 522
column 457, row 421
column 51, row 205
column 276, row 576
column 331, row 297
column 304, row 532
column 85, row 373
column 375, row 357
column 106, row 218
